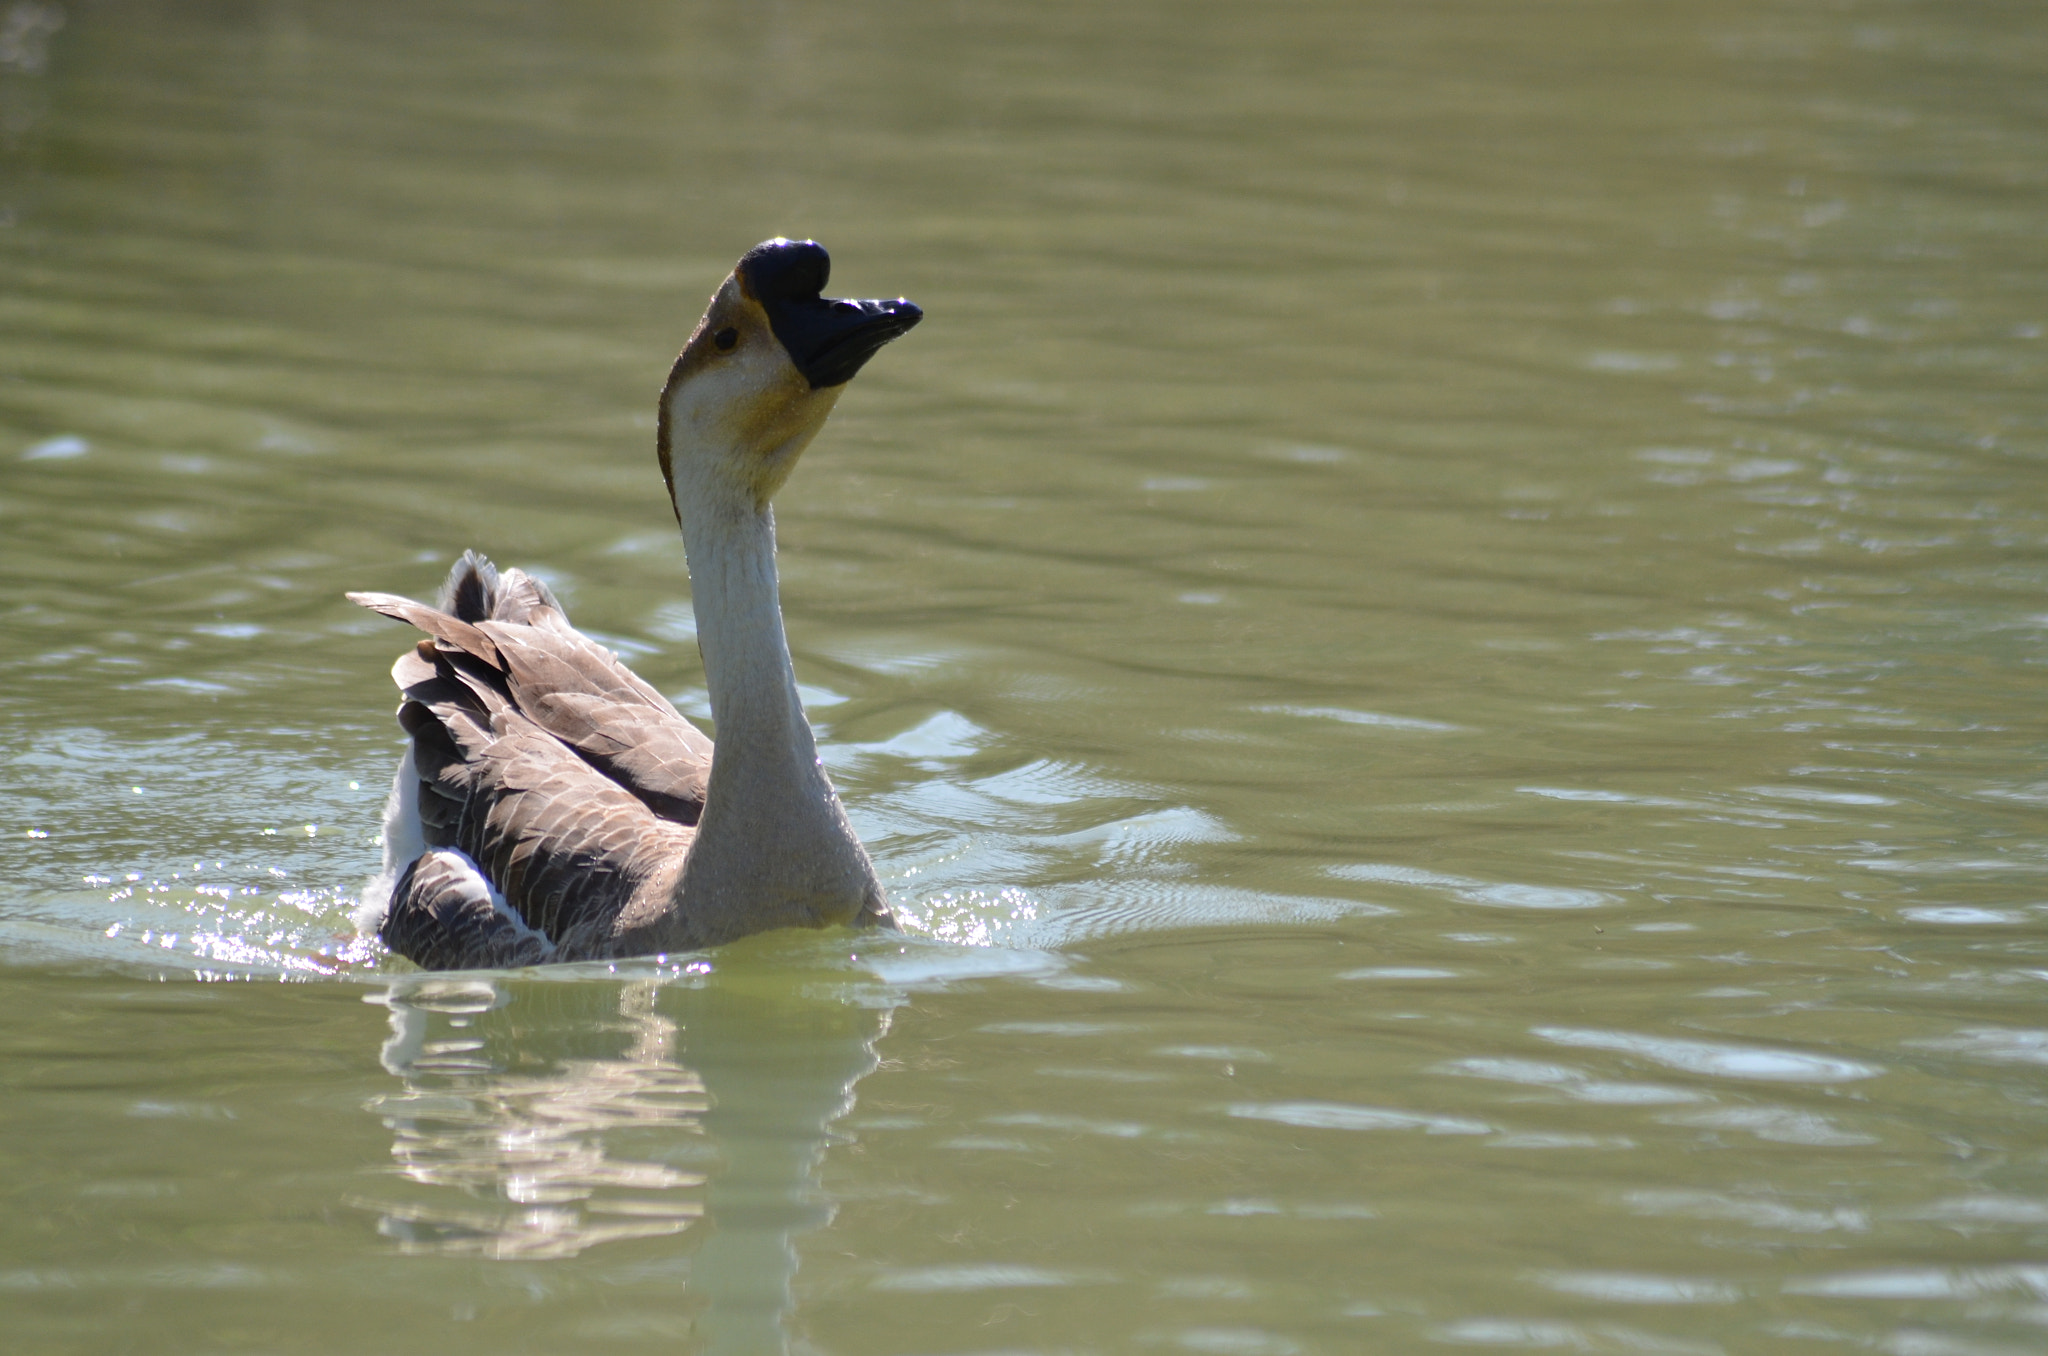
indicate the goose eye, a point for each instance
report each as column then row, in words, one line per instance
column 726, row 338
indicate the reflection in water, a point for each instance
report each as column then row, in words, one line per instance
column 526, row 1155
column 710, row 1106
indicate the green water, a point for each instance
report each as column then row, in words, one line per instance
column 1439, row 640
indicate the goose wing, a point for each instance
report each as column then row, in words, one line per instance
column 573, row 854
column 579, row 692
column 567, row 782
column 515, row 639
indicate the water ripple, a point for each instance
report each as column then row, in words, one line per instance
column 1717, row 1060
column 1343, row 1116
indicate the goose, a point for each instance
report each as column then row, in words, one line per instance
column 551, row 805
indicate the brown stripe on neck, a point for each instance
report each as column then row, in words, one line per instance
column 662, row 434
column 697, row 351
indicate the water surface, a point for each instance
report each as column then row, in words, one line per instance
column 1439, row 639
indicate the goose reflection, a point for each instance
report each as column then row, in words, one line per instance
column 539, row 1119
column 526, row 1156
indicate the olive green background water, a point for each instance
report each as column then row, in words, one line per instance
column 1439, row 638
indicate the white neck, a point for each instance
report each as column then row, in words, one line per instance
column 773, row 848
column 737, row 597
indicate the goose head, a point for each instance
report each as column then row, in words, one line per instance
column 760, row 373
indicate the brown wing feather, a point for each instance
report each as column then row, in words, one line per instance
column 580, row 693
column 571, row 687
column 569, row 849
column 450, row 632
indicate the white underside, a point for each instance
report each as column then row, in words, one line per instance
column 405, row 841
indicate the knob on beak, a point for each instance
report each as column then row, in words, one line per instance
column 827, row 339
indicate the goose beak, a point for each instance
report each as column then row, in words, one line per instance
column 827, row 340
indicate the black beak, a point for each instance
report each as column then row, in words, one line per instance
column 827, row 339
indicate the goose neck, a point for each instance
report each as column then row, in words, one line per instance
column 747, row 666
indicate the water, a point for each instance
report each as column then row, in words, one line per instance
column 1439, row 639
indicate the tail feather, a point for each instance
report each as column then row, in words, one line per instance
column 471, row 593
column 479, row 591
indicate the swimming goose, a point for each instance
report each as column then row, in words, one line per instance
column 552, row 806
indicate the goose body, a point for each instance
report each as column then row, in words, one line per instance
column 551, row 805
